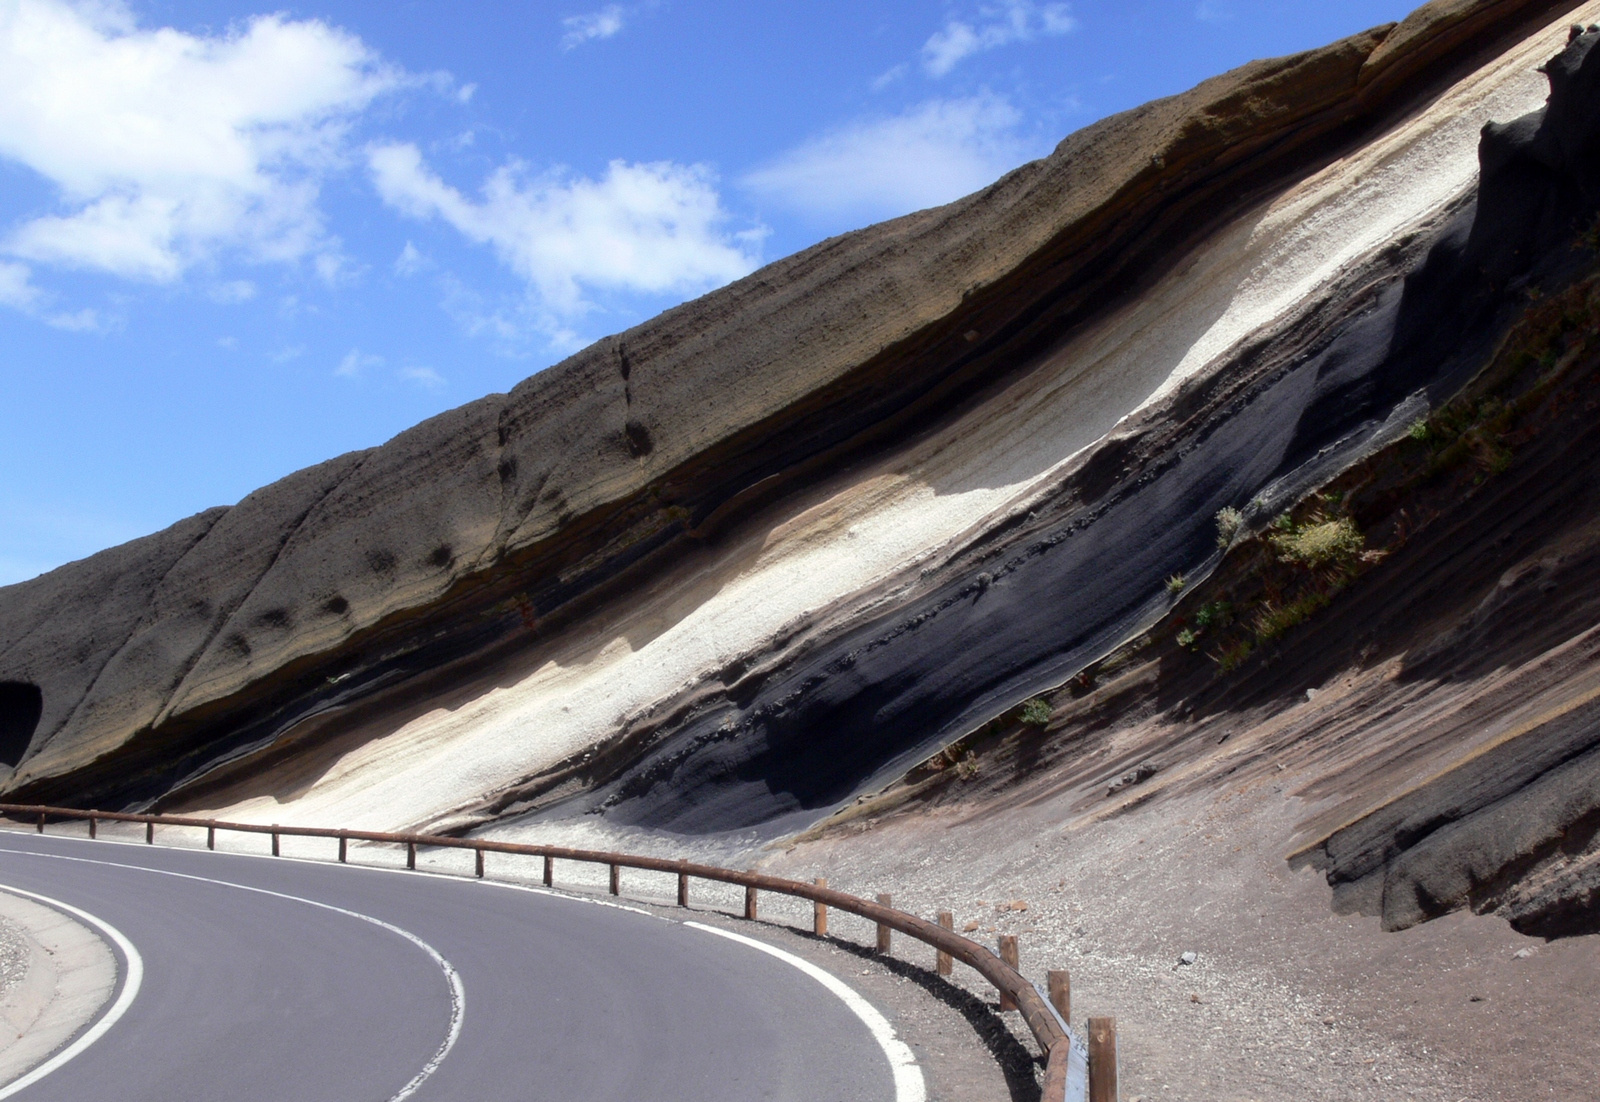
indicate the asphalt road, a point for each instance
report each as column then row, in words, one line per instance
column 251, row 996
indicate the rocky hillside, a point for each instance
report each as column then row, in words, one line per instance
column 756, row 559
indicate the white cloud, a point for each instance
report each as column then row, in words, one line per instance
column 355, row 362
column 652, row 228
column 997, row 25
column 604, row 23
column 1212, row 11
column 19, row 293
column 233, row 292
column 932, row 153
column 410, row 261
column 16, row 287
column 423, row 376
column 166, row 147
column 890, row 76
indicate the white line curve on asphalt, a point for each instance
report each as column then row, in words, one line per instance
column 909, row 1085
column 458, row 997
column 131, row 981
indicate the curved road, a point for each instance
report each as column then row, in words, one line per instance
column 286, row 981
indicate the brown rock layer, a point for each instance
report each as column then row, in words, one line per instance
column 482, row 528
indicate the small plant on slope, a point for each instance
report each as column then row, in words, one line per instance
column 1036, row 712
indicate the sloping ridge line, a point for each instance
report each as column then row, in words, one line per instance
column 648, row 441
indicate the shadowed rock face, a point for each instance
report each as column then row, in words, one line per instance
column 192, row 657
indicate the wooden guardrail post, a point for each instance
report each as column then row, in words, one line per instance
column 1008, row 953
column 1060, row 985
column 683, row 889
column 149, row 832
column 478, row 864
column 819, row 912
column 41, row 822
column 944, row 963
column 411, row 854
column 1035, row 1007
column 1102, row 1060
column 616, row 879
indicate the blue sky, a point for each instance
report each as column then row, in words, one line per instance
column 238, row 239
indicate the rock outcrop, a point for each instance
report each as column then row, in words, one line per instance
column 727, row 569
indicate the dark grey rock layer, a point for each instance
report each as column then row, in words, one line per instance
column 492, row 524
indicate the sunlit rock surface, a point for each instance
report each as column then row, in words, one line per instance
column 727, row 570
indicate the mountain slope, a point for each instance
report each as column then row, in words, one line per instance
column 731, row 568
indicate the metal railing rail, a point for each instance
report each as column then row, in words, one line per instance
column 1072, row 1071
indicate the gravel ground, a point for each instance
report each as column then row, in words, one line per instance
column 13, row 955
column 1284, row 999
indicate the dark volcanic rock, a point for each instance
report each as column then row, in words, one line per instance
column 490, row 526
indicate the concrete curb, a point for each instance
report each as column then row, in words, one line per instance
column 72, row 974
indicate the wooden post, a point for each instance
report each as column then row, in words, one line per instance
column 411, row 855
column 750, row 904
column 1008, row 953
column 549, row 871
column 883, row 931
column 1061, row 992
column 945, row 962
column 211, row 837
column 41, row 822
column 149, row 832
column 616, row 879
column 274, row 843
column 343, row 844
column 478, row 867
column 819, row 912
column 1102, row 1060
column 93, row 822
column 683, row 889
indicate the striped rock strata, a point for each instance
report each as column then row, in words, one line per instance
column 724, row 570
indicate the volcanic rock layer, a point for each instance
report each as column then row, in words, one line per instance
column 727, row 569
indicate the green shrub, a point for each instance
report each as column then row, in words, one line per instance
column 1418, row 430
column 1233, row 657
column 1186, row 638
column 1320, row 542
column 1036, row 712
column 1215, row 614
column 1176, row 583
column 1229, row 521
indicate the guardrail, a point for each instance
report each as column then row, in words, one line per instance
column 1074, row 1071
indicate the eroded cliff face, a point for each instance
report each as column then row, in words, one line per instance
column 728, row 568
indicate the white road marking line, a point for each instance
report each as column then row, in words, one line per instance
column 130, row 989
column 908, row 1082
column 908, row 1079
column 458, row 996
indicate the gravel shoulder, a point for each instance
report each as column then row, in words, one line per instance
column 1284, row 999
column 55, row 976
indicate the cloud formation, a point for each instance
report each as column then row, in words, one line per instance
column 164, row 147
column 652, row 228
column 604, row 23
column 877, row 168
column 996, row 25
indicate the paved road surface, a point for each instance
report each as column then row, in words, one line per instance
column 250, row 996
